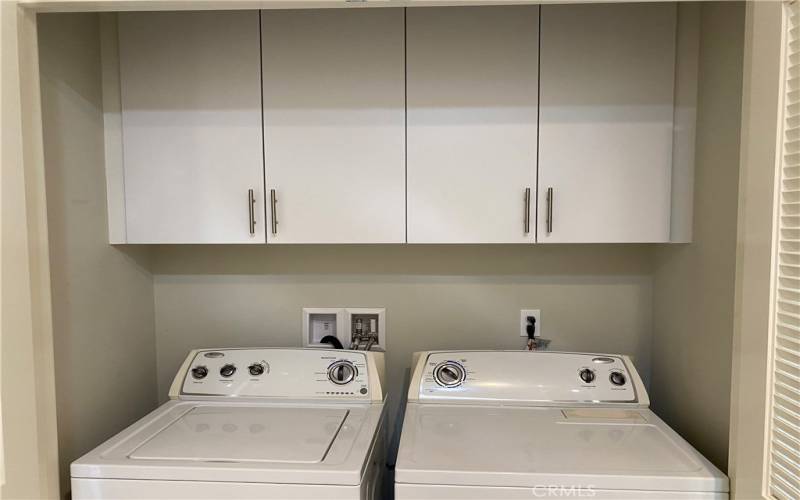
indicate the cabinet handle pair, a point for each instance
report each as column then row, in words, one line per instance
column 251, row 207
column 273, row 201
column 527, row 218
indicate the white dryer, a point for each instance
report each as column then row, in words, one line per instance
column 252, row 424
column 517, row 424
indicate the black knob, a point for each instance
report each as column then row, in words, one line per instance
column 342, row 372
column 449, row 374
column 587, row 375
column 256, row 369
column 617, row 378
column 227, row 370
column 199, row 372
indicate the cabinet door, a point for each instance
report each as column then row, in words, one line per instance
column 334, row 125
column 605, row 134
column 191, row 127
column 472, row 123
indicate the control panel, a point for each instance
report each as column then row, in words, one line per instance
column 523, row 377
column 280, row 373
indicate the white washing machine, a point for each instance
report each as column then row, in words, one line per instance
column 252, row 423
column 518, row 424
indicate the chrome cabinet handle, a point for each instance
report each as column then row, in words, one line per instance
column 273, row 202
column 549, row 219
column 251, row 203
column 527, row 218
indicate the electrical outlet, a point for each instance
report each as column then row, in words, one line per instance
column 523, row 322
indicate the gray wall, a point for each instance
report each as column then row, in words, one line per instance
column 102, row 297
column 693, row 285
column 592, row 297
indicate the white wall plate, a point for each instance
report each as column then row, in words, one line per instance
column 351, row 313
column 523, row 321
column 321, row 321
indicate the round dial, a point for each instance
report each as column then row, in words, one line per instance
column 256, row 369
column 227, row 370
column 342, row 372
column 587, row 375
column 617, row 378
column 449, row 374
column 199, row 372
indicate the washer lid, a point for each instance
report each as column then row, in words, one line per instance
column 246, row 434
column 604, row 448
column 242, row 441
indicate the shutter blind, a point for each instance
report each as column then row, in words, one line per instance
column 784, row 433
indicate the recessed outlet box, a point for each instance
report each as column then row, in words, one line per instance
column 366, row 326
column 319, row 322
column 523, row 322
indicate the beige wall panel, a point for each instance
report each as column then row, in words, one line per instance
column 102, row 295
column 693, row 285
column 28, row 402
column 760, row 121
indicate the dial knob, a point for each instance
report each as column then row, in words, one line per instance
column 617, row 378
column 227, row 370
column 449, row 374
column 587, row 375
column 199, row 372
column 342, row 372
column 256, row 369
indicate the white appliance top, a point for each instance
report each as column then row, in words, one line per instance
column 525, row 419
column 526, row 378
column 302, row 420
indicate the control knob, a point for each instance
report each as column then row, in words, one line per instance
column 199, row 372
column 256, row 369
column 342, row 372
column 587, row 375
column 449, row 374
column 617, row 378
column 227, row 370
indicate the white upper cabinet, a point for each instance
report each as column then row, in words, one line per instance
column 606, row 122
column 472, row 84
column 190, row 97
column 492, row 124
column 334, row 125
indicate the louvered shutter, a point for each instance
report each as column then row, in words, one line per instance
column 784, row 435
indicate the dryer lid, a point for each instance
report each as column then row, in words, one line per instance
column 246, row 434
column 604, row 448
